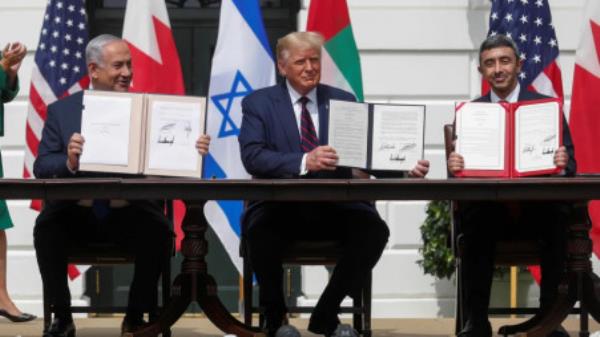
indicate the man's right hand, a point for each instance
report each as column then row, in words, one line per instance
column 456, row 163
column 321, row 158
column 74, row 150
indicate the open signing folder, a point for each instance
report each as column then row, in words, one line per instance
column 387, row 137
column 509, row 140
column 142, row 133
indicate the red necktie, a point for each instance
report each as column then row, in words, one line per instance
column 308, row 134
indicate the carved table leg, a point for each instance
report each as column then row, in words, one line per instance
column 506, row 330
column 220, row 316
column 558, row 311
column 195, row 284
column 581, row 249
column 180, row 300
column 579, row 283
column 548, row 319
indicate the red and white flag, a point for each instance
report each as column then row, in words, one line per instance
column 585, row 102
column 154, row 55
column 155, row 62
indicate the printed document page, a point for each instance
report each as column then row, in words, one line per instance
column 174, row 128
column 348, row 132
column 105, row 126
column 481, row 132
column 397, row 136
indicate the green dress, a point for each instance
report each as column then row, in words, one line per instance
column 6, row 95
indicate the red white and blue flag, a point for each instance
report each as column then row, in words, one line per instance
column 59, row 70
column 529, row 24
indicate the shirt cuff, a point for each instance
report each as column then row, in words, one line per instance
column 69, row 169
column 303, row 170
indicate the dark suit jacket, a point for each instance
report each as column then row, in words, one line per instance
column 269, row 137
column 64, row 119
column 526, row 95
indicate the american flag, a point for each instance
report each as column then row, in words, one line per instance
column 59, row 68
column 529, row 24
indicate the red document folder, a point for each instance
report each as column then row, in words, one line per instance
column 510, row 168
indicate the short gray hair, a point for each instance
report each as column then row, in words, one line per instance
column 312, row 40
column 94, row 49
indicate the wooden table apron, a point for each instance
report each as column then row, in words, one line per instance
column 195, row 284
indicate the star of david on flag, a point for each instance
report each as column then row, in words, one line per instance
column 239, row 89
column 242, row 62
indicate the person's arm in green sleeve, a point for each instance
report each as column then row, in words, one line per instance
column 9, row 87
column 10, row 62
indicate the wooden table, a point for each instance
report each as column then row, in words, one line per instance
column 195, row 284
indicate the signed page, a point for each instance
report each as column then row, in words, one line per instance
column 348, row 132
column 537, row 136
column 397, row 136
column 174, row 125
column 106, row 125
column 481, row 132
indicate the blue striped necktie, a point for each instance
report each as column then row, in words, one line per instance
column 308, row 133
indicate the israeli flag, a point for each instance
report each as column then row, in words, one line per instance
column 242, row 63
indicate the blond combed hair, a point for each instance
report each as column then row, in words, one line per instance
column 311, row 40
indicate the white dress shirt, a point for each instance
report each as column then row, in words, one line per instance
column 513, row 97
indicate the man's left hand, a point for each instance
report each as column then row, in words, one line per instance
column 202, row 144
column 420, row 170
column 561, row 157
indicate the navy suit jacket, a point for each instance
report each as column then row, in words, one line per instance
column 270, row 138
column 526, row 95
column 64, row 119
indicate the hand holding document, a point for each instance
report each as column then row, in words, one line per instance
column 141, row 133
column 507, row 140
column 377, row 136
